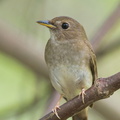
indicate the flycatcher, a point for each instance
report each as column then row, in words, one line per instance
column 70, row 59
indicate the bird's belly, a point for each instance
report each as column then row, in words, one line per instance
column 69, row 80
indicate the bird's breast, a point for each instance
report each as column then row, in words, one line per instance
column 68, row 69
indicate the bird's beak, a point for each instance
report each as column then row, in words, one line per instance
column 46, row 23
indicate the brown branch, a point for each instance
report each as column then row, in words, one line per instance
column 26, row 49
column 109, row 48
column 103, row 88
column 106, row 26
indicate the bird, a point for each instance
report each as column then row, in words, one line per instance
column 70, row 59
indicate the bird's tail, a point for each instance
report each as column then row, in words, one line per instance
column 82, row 115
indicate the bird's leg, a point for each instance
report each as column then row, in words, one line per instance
column 83, row 94
column 57, row 106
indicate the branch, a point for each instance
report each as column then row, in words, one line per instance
column 105, row 28
column 26, row 49
column 109, row 48
column 103, row 88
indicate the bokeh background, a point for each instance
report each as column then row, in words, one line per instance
column 25, row 89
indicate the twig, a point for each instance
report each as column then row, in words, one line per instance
column 106, row 26
column 108, row 48
column 103, row 88
column 24, row 48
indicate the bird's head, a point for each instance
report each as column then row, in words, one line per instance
column 64, row 28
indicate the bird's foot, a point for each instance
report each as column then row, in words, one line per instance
column 57, row 107
column 83, row 95
column 55, row 110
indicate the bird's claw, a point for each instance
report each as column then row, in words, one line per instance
column 83, row 94
column 55, row 110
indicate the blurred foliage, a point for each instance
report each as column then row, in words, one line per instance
column 24, row 94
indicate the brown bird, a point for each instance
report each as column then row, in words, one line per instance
column 70, row 59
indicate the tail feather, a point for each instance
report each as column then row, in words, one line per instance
column 82, row 115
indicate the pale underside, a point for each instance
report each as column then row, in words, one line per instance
column 69, row 80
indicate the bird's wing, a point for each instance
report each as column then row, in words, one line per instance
column 93, row 67
column 92, row 62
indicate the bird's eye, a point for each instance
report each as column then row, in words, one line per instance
column 65, row 25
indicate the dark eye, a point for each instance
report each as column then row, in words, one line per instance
column 65, row 25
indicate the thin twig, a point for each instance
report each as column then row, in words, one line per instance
column 109, row 48
column 106, row 26
column 24, row 48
